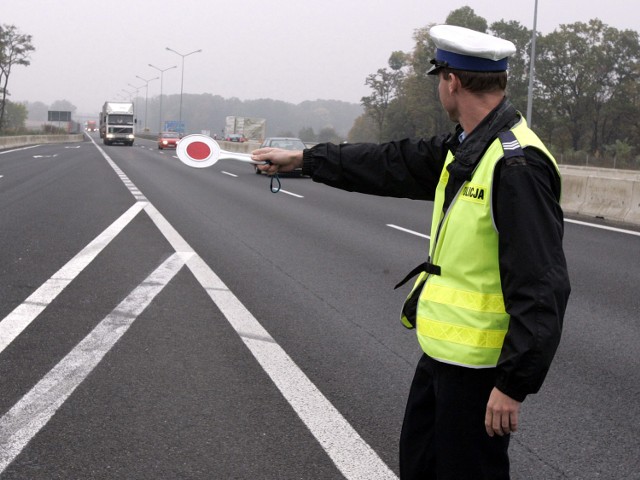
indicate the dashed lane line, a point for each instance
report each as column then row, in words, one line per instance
column 406, row 230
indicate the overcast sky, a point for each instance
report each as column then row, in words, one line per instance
column 290, row 50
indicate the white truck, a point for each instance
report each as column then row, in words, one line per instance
column 117, row 123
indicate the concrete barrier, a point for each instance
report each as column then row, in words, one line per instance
column 602, row 193
column 633, row 215
column 574, row 192
column 240, row 147
column 26, row 140
column 607, row 198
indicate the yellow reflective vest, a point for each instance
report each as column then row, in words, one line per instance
column 460, row 316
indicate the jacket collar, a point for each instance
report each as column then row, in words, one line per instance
column 468, row 153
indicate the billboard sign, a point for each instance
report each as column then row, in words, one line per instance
column 58, row 116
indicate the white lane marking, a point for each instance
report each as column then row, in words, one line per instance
column 291, row 193
column 22, row 316
column 128, row 183
column 412, row 232
column 18, row 149
column 25, row 419
column 578, row 222
column 224, row 172
column 603, row 227
column 350, row 453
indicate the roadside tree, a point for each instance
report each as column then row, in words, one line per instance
column 15, row 117
column 15, row 48
column 384, row 85
column 586, row 72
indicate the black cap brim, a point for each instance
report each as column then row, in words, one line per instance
column 437, row 66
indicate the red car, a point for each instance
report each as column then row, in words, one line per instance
column 168, row 140
column 235, row 137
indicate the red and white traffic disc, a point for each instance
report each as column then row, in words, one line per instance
column 199, row 151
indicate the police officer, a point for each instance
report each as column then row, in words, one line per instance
column 489, row 301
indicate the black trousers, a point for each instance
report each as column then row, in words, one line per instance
column 443, row 435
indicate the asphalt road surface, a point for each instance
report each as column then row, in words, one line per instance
column 163, row 322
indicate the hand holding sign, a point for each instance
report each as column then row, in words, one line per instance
column 201, row 151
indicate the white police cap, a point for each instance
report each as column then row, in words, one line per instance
column 464, row 49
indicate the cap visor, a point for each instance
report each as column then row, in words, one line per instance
column 437, row 66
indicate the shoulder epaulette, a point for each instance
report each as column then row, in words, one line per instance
column 510, row 145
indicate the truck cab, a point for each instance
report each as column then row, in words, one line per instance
column 117, row 123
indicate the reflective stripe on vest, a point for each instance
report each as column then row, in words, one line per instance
column 461, row 316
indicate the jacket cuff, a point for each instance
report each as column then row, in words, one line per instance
column 308, row 163
column 513, row 393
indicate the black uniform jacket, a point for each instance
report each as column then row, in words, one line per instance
column 527, row 212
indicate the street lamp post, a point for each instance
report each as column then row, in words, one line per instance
column 182, row 80
column 137, row 89
column 128, row 93
column 532, row 66
column 161, row 77
column 146, row 97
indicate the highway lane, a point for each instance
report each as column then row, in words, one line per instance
column 247, row 414
column 181, row 396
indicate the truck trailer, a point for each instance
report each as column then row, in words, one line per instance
column 251, row 128
column 117, row 123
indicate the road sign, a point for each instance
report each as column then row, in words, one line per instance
column 173, row 126
column 58, row 116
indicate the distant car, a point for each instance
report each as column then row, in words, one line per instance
column 235, row 137
column 288, row 143
column 168, row 140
